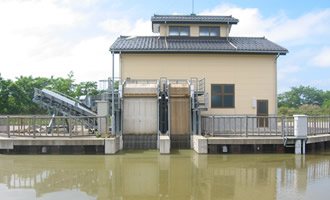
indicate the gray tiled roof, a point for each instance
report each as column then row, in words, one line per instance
column 193, row 19
column 154, row 44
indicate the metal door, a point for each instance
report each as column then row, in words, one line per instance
column 262, row 113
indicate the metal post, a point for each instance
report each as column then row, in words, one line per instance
column 107, row 124
column 199, row 123
column 282, row 126
column 8, row 126
column 246, row 126
column 34, row 126
column 212, row 126
column 70, row 130
column 113, row 96
column 194, row 124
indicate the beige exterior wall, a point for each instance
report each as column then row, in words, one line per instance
column 254, row 76
column 194, row 29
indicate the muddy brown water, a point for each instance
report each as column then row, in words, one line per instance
column 181, row 175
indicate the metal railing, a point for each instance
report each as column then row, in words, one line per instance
column 245, row 126
column 58, row 126
column 317, row 125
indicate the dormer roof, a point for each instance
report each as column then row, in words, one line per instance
column 193, row 19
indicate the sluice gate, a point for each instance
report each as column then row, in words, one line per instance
column 151, row 108
column 180, row 115
column 143, row 110
column 140, row 114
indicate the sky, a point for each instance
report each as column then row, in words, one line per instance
column 53, row 37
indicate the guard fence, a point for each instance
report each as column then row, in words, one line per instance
column 57, row 126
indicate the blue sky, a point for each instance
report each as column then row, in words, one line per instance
column 54, row 37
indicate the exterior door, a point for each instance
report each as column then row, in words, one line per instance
column 262, row 113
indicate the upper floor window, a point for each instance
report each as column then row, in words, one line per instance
column 222, row 96
column 179, row 30
column 209, row 31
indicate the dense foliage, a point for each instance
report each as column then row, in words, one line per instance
column 16, row 96
column 304, row 100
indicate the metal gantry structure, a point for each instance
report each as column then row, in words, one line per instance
column 59, row 104
column 198, row 101
column 163, row 93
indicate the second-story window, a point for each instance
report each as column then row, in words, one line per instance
column 179, row 30
column 209, row 31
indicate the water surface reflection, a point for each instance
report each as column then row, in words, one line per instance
column 181, row 175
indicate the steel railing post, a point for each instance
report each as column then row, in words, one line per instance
column 107, row 124
column 70, row 130
column 8, row 126
column 212, row 126
column 246, row 125
column 34, row 126
column 282, row 126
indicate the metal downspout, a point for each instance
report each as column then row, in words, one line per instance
column 276, row 103
column 166, row 31
column 113, row 96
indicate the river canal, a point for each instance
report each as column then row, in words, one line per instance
column 181, row 175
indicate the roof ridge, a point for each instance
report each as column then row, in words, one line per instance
column 256, row 37
column 155, row 15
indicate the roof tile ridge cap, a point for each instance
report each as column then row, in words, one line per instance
column 253, row 37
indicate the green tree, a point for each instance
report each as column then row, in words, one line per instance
column 301, row 95
column 86, row 88
column 63, row 85
column 16, row 96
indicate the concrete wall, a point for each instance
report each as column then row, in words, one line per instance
column 254, row 76
column 194, row 29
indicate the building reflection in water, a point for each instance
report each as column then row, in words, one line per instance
column 181, row 175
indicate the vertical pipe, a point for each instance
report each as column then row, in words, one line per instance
column 113, row 96
column 199, row 123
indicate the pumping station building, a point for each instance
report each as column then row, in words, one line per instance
column 191, row 85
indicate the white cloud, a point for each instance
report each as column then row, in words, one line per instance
column 32, row 42
column 284, row 71
column 320, row 83
column 280, row 28
column 322, row 59
column 125, row 27
column 35, row 16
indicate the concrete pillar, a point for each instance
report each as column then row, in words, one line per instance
column 102, row 110
column 300, row 133
column 165, row 144
column 111, row 145
column 200, row 144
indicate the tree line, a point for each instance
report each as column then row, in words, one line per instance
column 16, row 96
column 304, row 100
